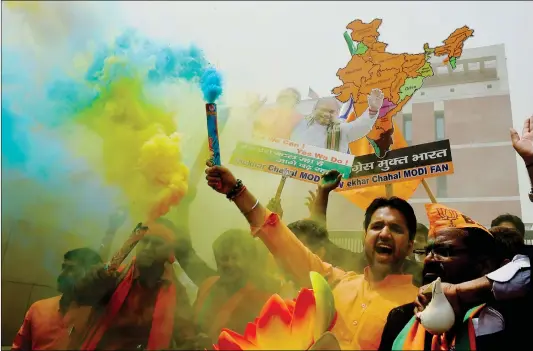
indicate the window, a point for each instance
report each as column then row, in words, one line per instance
column 442, row 186
column 474, row 66
column 439, row 125
column 490, row 64
column 408, row 128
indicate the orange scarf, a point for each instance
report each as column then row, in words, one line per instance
column 413, row 336
column 162, row 319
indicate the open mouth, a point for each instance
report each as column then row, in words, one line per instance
column 384, row 250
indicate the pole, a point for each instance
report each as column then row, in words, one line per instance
column 388, row 190
column 429, row 192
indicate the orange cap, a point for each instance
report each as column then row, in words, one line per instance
column 441, row 217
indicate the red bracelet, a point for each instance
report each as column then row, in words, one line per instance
column 239, row 193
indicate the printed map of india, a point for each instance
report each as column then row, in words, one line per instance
column 399, row 76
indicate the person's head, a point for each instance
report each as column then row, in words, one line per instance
column 459, row 249
column 313, row 235
column 235, row 252
column 390, row 227
column 157, row 245
column 509, row 243
column 510, row 221
column 289, row 97
column 457, row 255
column 75, row 264
column 420, row 242
column 326, row 111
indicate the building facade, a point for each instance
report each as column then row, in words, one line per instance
column 471, row 107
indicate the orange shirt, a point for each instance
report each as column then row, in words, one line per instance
column 46, row 328
column 362, row 305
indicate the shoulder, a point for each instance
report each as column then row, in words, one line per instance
column 44, row 306
column 401, row 315
column 46, row 303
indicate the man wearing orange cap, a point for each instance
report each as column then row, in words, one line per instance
column 142, row 305
column 459, row 250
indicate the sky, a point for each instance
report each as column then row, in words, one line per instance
column 265, row 46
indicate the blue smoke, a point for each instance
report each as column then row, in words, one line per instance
column 211, row 84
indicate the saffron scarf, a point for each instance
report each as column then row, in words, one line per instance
column 162, row 319
column 413, row 335
column 334, row 137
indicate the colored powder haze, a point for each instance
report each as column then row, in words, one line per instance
column 93, row 126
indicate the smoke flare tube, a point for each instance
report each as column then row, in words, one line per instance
column 212, row 133
column 126, row 248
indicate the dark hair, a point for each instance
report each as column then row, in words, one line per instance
column 480, row 243
column 237, row 238
column 83, row 256
column 398, row 204
column 517, row 222
column 509, row 242
column 314, row 233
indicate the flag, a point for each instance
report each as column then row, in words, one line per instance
column 346, row 109
column 364, row 196
column 312, row 94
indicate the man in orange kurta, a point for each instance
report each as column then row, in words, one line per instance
column 57, row 323
column 363, row 301
column 143, row 305
column 233, row 295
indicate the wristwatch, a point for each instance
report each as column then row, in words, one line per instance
column 531, row 195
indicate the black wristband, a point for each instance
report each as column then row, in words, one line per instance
column 235, row 190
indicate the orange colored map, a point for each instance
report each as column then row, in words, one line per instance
column 399, row 76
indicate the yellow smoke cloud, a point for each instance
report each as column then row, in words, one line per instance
column 140, row 150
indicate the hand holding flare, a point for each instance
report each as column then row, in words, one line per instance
column 302, row 324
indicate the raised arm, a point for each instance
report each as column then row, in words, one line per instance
column 524, row 147
column 193, row 265
column 292, row 255
column 362, row 125
column 328, row 182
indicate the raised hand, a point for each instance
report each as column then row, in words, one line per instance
column 523, row 145
column 375, row 100
column 219, row 178
column 329, row 181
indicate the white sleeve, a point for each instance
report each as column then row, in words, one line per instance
column 512, row 280
column 358, row 128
